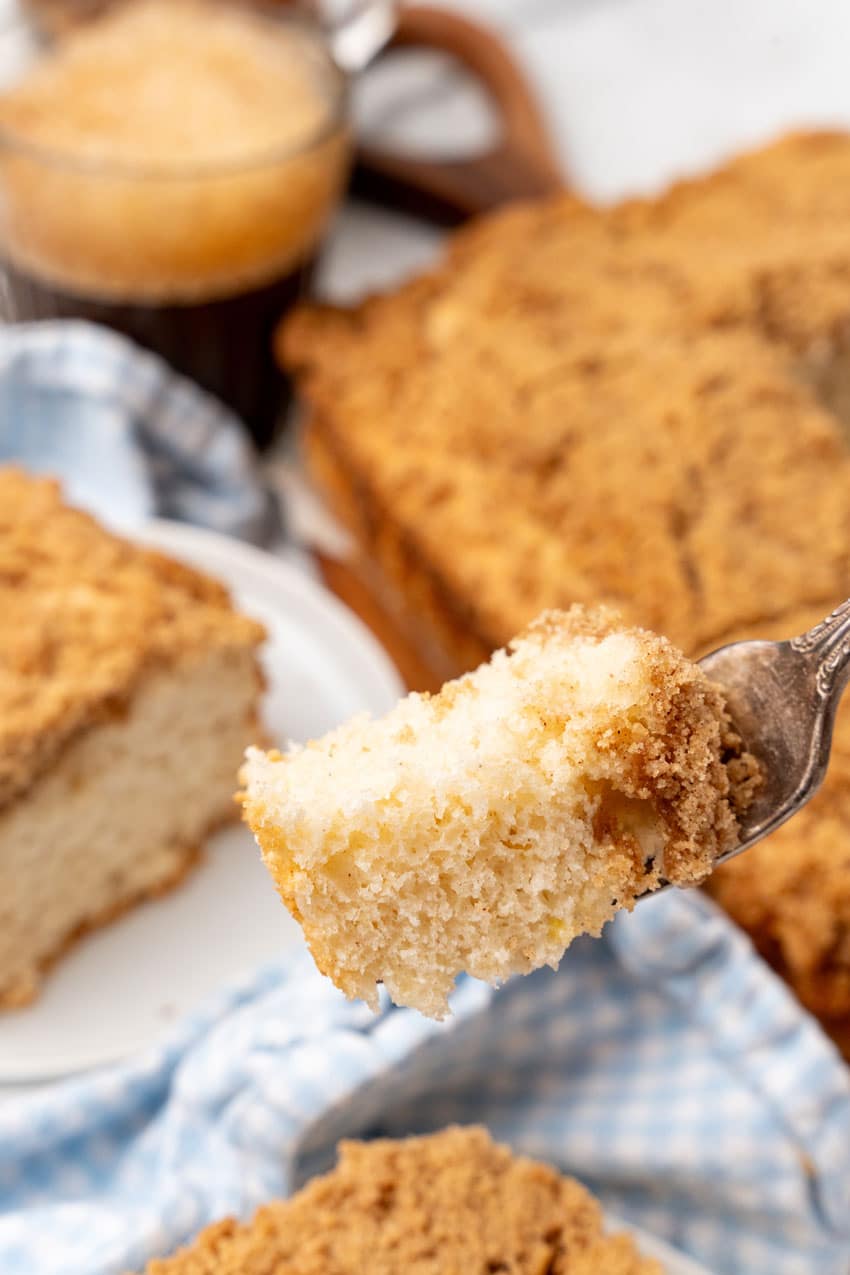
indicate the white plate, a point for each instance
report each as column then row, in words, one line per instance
column 122, row 987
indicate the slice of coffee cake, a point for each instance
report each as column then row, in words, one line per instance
column 483, row 828
column 453, row 1203
column 129, row 688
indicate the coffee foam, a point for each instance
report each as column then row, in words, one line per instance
column 176, row 153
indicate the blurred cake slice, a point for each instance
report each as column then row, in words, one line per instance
column 129, row 687
column 595, row 405
column 453, row 1203
column 483, row 828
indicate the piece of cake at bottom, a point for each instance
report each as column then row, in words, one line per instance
column 453, row 1203
column 129, row 687
column 483, row 828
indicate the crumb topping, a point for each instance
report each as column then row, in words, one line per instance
column 83, row 614
column 517, row 391
column 451, row 1202
column 791, row 892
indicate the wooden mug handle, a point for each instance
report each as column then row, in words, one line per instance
column 522, row 164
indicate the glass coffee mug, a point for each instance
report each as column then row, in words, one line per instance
column 194, row 233
column 193, row 222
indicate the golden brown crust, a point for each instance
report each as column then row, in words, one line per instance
column 515, row 392
column 451, row 1202
column 84, row 615
column 691, row 766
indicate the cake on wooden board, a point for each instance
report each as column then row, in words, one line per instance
column 129, row 687
column 482, row 829
column 449, row 1204
column 645, row 405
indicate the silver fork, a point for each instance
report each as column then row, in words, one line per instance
column 783, row 697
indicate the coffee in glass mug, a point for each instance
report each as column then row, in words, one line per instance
column 168, row 168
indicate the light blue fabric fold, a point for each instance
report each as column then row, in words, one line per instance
column 664, row 1064
column 129, row 438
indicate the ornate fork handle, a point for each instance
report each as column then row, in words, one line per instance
column 828, row 646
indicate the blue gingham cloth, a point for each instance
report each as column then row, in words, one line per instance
column 127, row 436
column 663, row 1064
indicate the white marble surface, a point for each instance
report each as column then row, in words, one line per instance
column 637, row 92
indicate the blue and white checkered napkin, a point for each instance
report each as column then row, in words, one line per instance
column 128, row 437
column 663, row 1064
